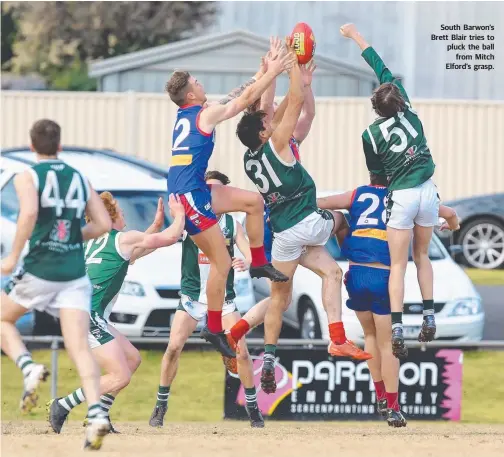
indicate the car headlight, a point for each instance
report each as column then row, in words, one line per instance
column 132, row 288
column 241, row 287
column 466, row 307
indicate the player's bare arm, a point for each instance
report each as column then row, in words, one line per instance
column 268, row 98
column 168, row 236
column 283, row 133
column 371, row 57
column 308, row 113
column 28, row 212
column 336, row 202
column 236, row 92
column 216, row 114
column 155, row 227
column 451, row 218
column 244, row 247
column 99, row 218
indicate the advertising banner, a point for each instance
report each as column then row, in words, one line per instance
column 312, row 385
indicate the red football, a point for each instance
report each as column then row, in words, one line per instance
column 303, row 42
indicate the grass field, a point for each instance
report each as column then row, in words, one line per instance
column 486, row 277
column 198, row 392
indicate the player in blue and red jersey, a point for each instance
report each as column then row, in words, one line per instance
column 366, row 248
column 193, row 143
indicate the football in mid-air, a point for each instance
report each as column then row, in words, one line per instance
column 303, row 41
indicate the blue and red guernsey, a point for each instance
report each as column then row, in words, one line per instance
column 191, row 151
column 367, row 239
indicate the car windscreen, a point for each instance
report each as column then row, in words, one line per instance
column 435, row 252
column 140, row 207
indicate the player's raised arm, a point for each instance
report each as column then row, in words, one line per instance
column 372, row 58
column 215, row 114
column 340, row 201
column 308, row 113
column 99, row 218
column 268, row 98
column 168, row 236
column 155, row 227
column 28, row 213
column 283, row 133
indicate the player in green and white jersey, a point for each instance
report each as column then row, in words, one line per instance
column 53, row 198
column 395, row 145
column 107, row 260
column 300, row 229
column 193, row 308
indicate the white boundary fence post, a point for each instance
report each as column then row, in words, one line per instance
column 54, row 368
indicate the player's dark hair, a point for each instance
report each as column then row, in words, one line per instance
column 249, row 128
column 178, row 86
column 378, row 180
column 46, row 137
column 387, row 100
column 214, row 174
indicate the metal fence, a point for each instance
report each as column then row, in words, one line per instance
column 55, row 343
column 466, row 137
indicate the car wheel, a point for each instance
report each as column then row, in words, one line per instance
column 309, row 325
column 482, row 243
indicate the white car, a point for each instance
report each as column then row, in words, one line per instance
column 150, row 294
column 458, row 308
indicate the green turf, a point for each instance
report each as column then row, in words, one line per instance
column 486, row 277
column 198, row 391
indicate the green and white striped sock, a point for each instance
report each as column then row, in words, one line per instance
column 94, row 411
column 106, row 402
column 72, row 400
column 25, row 363
column 250, row 396
column 162, row 396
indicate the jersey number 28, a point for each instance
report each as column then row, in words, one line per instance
column 365, row 218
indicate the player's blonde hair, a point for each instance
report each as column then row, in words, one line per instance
column 110, row 204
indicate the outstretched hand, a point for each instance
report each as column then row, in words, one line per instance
column 176, row 207
column 307, row 72
column 160, row 214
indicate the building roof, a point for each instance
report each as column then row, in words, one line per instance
column 205, row 43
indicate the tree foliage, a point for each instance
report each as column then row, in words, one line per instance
column 65, row 36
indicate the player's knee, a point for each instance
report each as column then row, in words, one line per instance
column 122, row 378
column 333, row 273
column 255, row 204
column 173, row 351
column 135, row 360
column 420, row 256
column 243, row 354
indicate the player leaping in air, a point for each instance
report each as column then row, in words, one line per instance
column 301, row 230
column 365, row 247
column 395, row 144
column 193, row 143
column 193, row 307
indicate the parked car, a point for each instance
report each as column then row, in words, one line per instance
column 481, row 234
column 458, row 308
column 150, row 294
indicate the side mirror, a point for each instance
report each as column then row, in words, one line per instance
column 455, row 249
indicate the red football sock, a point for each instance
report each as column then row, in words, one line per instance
column 337, row 332
column 380, row 390
column 214, row 321
column 392, row 401
column 239, row 330
column 258, row 256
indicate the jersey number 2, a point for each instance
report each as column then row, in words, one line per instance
column 364, row 218
column 74, row 199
